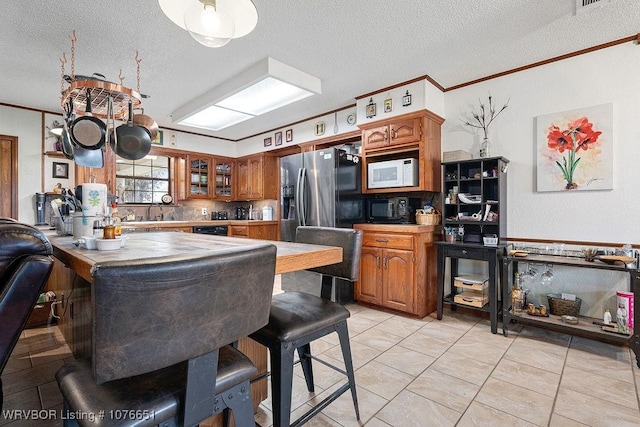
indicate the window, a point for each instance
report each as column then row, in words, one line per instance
column 142, row 181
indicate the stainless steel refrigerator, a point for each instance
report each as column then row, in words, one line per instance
column 319, row 188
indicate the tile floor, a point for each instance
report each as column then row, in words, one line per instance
column 415, row 373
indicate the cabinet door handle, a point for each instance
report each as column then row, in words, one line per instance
column 382, row 240
column 386, row 134
column 377, row 261
column 464, row 251
column 393, row 133
column 385, row 262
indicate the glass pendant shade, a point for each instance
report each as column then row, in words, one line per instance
column 209, row 24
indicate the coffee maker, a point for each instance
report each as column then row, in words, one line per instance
column 40, row 208
column 241, row 213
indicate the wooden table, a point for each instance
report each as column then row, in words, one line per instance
column 76, row 320
column 290, row 256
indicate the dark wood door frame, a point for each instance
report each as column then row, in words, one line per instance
column 9, row 176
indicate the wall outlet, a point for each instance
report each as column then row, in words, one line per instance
column 204, row 211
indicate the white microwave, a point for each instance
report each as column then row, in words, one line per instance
column 393, row 173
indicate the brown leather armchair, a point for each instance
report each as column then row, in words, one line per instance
column 25, row 265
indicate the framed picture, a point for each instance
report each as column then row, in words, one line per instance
column 319, row 128
column 278, row 138
column 289, row 135
column 267, row 142
column 61, row 170
column 371, row 108
column 159, row 139
column 388, row 105
column 406, row 99
column 575, row 149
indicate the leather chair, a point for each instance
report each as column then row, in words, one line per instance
column 298, row 318
column 161, row 329
column 25, row 265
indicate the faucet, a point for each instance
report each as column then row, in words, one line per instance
column 149, row 212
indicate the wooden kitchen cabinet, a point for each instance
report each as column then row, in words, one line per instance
column 257, row 177
column 255, row 230
column 199, row 176
column 223, row 183
column 74, row 312
column 397, row 132
column 398, row 268
column 414, row 135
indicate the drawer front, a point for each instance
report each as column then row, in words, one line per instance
column 238, row 230
column 469, row 253
column 381, row 240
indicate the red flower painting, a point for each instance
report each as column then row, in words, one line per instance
column 578, row 135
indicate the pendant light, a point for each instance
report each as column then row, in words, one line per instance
column 208, row 23
column 212, row 23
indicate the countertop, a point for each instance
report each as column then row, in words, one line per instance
column 169, row 224
column 161, row 245
column 398, row 228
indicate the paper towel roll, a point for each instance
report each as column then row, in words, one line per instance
column 94, row 199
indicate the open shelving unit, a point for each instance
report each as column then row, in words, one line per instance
column 484, row 178
column 585, row 326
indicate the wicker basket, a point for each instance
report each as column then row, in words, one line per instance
column 424, row 218
column 559, row 306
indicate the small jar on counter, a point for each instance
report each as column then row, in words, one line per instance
column 109, row 232
column 98, row 229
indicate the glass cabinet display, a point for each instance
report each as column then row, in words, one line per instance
column 224, row 178
column 198, row 177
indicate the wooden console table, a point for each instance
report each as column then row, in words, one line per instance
column 455, row 251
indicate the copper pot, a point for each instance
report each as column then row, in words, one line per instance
column 146, row 122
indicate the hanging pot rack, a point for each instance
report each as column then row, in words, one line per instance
column 100, row 93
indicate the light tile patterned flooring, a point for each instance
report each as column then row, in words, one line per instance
column 415, row 373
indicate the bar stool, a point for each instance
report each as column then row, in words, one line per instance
column 298, row 318
column 161, row 329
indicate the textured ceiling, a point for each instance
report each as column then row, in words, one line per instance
column 353, row 46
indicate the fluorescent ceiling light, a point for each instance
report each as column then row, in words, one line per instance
column 266, row 86
column 215, row 118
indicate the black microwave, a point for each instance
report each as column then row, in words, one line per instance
column 391, row 210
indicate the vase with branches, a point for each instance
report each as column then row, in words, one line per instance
column 482, row 118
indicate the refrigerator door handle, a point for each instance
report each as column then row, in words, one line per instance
column 300, row 202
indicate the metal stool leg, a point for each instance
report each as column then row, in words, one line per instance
column 304, row 353
column 238, row 399
column 281, row 383
column 343, row 333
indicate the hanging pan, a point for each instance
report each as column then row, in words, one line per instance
column 91, row 158
column 146, row 122
column 133, row 141
column 87, row 131
column 67, row 148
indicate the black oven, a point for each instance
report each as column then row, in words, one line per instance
column 391, row 210
column 217, row 230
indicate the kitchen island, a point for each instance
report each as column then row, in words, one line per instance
column 290, row 256
column 71, row 279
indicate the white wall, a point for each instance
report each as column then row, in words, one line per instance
column 27, row 126
column 605, row 76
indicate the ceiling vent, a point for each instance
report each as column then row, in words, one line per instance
column 587, row 5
